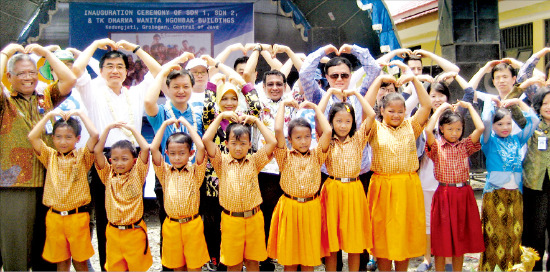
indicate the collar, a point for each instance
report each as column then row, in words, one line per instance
column 445, row 142
column 394, row 128
column 300, row 154
column 176, row 110
column 544, row 127
column 185, row 168
column 335, row 137
column 71, row 153
column 233, row 160
column 14, row 93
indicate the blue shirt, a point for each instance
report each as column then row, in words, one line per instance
column 192, row 116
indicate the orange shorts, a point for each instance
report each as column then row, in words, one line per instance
column 125, row 249
column 242, row 238
column 184, row 243
column 67, row 236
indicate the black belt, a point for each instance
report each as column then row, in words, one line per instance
column 80, row 209
column 343, row 180
column 244, row 214
column 185, row 219
column 134, row 226
column 302, row 199
column 460, row 184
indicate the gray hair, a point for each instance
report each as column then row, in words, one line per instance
column 17, row 58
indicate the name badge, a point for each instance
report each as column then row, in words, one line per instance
column 542, row 142
column 49, row 127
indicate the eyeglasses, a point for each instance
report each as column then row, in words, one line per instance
column 112, row 67
column 336, row 76
column 199, row 73
column 22, row 75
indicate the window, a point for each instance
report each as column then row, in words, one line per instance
column 517, row 42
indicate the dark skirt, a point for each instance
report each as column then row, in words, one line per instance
column 455, row 222
column 502, row 221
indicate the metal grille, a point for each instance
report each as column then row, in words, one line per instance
column 517, row 37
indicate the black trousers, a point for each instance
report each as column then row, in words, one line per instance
column 536, row 210
column 39, row 237
column 211, row 211
column 364, row 258
column 271, row 191
column 97, row 189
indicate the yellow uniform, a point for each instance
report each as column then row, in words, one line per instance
column 395, row 197
column 127, row 244
column 66, row 192
column 295, row 233
column 183, row 230
column 242, row 222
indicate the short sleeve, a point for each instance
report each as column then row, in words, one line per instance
column 260, row 159
column 432, row 150
column 199, row 170
column 87, row 157
column 105, row 172
column 45, row 153
column 373, row 130
column 471, row 147
column 156, row 121
column 216, row 161
column 53, row 94
column 140, row 170
column 417, row 128
column 280, row 155
column 363, row 133
column 321, row 156
column 160, row 171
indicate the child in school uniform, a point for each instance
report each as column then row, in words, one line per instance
column 66, row 190
column 295, row 233
column 182, row 230
column 346, row 224
column 124, row 176
column 502, row 206
column 395, row 197
column 456, row 225
column 242, row 223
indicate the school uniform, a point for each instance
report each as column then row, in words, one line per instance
column 456, row 224
column 183, row 229
column 67, row 194
column 346, row 220
column 242, row 221
column 395, row 197
column 295, row 232
column 127, row 244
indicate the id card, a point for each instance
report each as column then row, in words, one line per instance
column 49, row 127
column 542, row 142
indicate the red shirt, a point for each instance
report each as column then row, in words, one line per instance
column 451, row 163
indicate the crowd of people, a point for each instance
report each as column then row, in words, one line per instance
column 372, row 162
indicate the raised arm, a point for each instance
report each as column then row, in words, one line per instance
column 527, row 69
column 370, row 66
column 432, row 123
column 92, row 131
column 250, row 67
column 478, row 123
column 474, row 81
column 532, row 120
column 425, row 102
column 312, row 91
column 368, row 112
column 98, row 149
column 226, row 70
column 222, row 57
column 270, row 141
column 6, row 54
column 153, row 66
column 84, row 57
column 296, row 61
column 210, row 133
column 156, row 154
column 199, row 145
column 66, row 78
column 144, row 146
column 36, row 132
column 151, row 106
column 322, row 125
column 280, row 121
column 271, row 60
column 446, row 65
column 400, row 52
column 487, row 116
column 326, row 98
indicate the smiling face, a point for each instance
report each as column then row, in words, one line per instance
column 200, row 73
column 339, row 76
column 301, row 138
column 121, row 160
column 24, row 77
column 65, row 139
column 390, row 88
column 545, row 109
column 238, row 147
column 114, row 72
column 179, row 154
column 393, row 113
column 452, row 132
column 180, row 90
column 342, row 123
column 437, row 99
column 274, row 87
column 503, row 127
column 503, row 81
column 229, row 101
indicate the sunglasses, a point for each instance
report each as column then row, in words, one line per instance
column 336, row 76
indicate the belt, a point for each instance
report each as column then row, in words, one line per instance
column 80, row 209
column 343, row 180
column 460, row 184
column 302, row 199
column 244, row 214
column 134, row 226
column 185, row 219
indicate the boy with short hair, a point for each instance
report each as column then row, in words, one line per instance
column 66, row 190
column 182, row 230
column 242, row 223
column 124, row 176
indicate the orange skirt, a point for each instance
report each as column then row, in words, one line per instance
column 396, row 205
column 345, row 217
column 295, row 232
